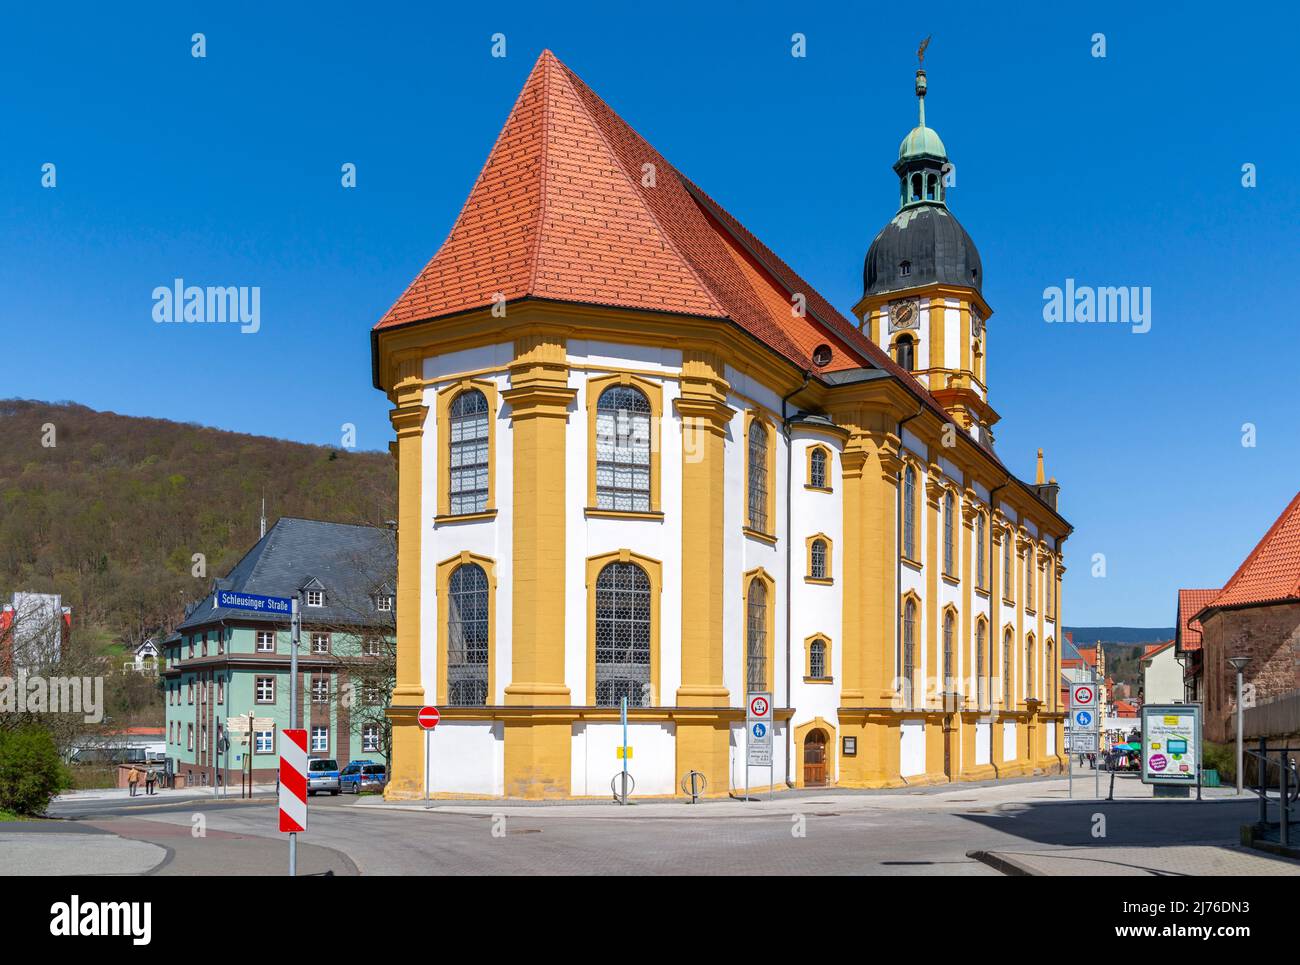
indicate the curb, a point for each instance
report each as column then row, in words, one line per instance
column 1008, row 867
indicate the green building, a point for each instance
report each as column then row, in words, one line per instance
column 223, row 663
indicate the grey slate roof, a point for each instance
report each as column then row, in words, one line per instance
column 351, row 563
column 933, row 241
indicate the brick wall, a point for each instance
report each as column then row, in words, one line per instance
column 1270, row 637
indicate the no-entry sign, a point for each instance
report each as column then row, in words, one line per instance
column 1083, row 695
column 428, row 717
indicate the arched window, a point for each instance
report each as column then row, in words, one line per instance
column 1006, row 566
column 1029, row 578
column 909, row 651
column 980, row 691
column 817, row 659
column 949, row 540
column 1029, row 667
column 467, row 636
column 758, row 476
column 817, row 560
column 916, row 187
column 1049, row 590
column 1006, row 671
column 817, row 469
column 468, row 444
column 1053, row 678
column 905, row 352
column 756, row 637
column 622, row 635
column 909, row 512
column 931, row 187
column 949, row 681
column 623, row 449
column 979, row 549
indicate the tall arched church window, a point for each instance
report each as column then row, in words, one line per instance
column 756, row 637
column 467, row 637
column 1029, row 578
column 469, row 454
column 758, row 481
column 623, row 635
column 905, row 352
column 949, row 670
column 909, row 512
column 1006, row 565
column 949, row 536
column 909, row 652
column 1029, row 667
column 623, row 449
column 1006, row 671
column 980, row 667
column 979, row 549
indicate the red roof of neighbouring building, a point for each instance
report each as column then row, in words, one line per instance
column 1190, row 603
column 1152, row 649
column 1126, row 708
column 1271, row 573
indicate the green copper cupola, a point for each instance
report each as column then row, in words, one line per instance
column 922, row 159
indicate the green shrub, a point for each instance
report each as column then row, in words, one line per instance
column 1223, row 758
column 30, row 771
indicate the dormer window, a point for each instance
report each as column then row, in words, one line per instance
column 315, row 597
column 384, row 604
column 904, row 269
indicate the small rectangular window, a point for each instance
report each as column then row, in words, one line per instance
column 315, row 597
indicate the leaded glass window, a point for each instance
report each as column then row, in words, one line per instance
column 756, row 637
column 1006, row 565
column 949, row 548
column 758, row 476
column 1006, row 671
column 623, row 636
column 909, row 513
column 817, row 659
column 979, row 549
column 468, row 444
column 467, row 636
column 1029, row 667
column 817, row 469
column 1029, row 578
column 979, row 666
column 817, row 560
column 948, row 681
column 909, row 651
column 623, row 450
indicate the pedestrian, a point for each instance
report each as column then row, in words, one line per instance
column 133, row 780
column 149, row 778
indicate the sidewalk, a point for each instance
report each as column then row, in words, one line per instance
column 959, row 796
column 1205, row 860
column 162, row 796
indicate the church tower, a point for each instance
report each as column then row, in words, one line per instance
column 922, row 279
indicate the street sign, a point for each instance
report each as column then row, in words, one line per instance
column 278, row 605
column 428, row 717
column 239, row 725
column 1171, row 744
column 758, row 731
column 1083, row 743
column 293, row 780
column 1082, row 720
column 1083, row 695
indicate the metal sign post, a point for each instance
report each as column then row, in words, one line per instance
column 758, row 738
column 622, row 704
column 1085, row 725
column 427, row 718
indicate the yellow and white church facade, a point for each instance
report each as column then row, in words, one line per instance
column 639, row 457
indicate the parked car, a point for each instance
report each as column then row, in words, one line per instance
column 322, row 775
column 361, row 776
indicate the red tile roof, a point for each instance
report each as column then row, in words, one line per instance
column 561, row 211
column 1271, row 573
column 1152, row 649
column 1190, row 603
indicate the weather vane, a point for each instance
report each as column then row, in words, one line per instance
column 920, row 51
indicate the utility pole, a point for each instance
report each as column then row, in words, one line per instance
column 1239, row 665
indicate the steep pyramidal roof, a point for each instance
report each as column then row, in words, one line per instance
column 573, row 205
column 1271, row 573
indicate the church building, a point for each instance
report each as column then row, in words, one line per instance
column 640, row 457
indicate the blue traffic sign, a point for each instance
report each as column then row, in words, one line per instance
column 1083, row 718
column 760, row 730
column 230, row 600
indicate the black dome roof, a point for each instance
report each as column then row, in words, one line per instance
column 935, row 245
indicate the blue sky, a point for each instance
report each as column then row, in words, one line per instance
column 1117, row 171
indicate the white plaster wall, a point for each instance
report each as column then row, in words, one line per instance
column 911, row 751
column 952, row 335
column 1008, row 740
column 983, row 742
column 1051, row 737
column 489, row 538
column 468, row 757
column 758, row 776
column 594, row 757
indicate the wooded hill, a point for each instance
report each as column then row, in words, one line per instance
column 111, row 514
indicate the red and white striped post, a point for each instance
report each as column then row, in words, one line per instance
column 293, row 789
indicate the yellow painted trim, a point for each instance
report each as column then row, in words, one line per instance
column 446, row 397
column 654, row 394
column 654, row 570
column 828, row 473
column 761, row 575
column 829, row 578
column 752, row 416
column 444, row 572
column 807, row 659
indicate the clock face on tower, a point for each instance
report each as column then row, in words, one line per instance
column 904, row 314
